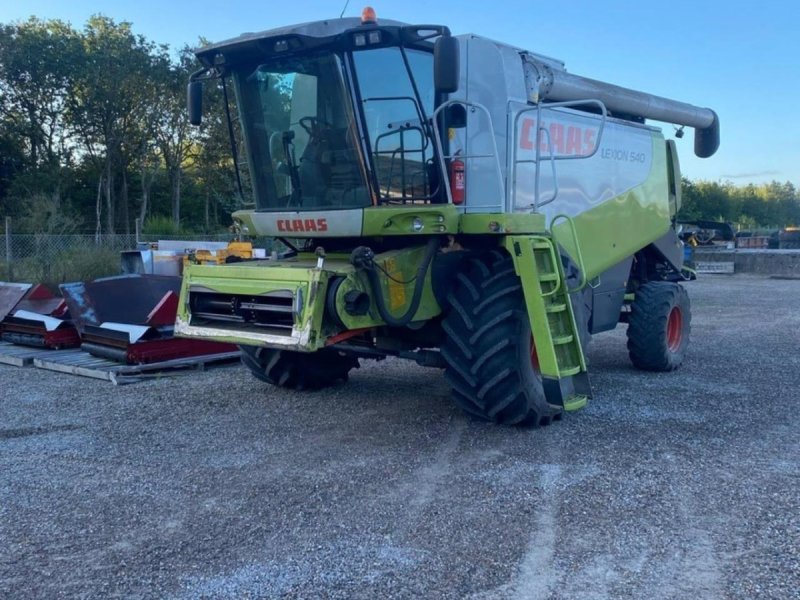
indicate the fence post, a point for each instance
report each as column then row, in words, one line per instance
column 9, row 268
column 138, row 228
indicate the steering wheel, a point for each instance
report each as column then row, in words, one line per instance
column 310, row 123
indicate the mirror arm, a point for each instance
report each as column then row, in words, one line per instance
column 197, row 75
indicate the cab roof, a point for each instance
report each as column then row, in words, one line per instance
column 318, row 31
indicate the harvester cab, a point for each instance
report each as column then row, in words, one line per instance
column 452, row 200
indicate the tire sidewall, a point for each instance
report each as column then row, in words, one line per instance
column 648, row 327
column 681, row 303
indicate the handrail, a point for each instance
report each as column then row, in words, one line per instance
column 578, row 254
column 551, row 156
column 440, row 148
column 540, row 129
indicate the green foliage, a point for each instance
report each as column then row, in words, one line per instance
column 38, row 59
column 771, row 205
column 74, row 264
column 11, row 165
column 165, row 226
column 95, row 117
column 42, row 214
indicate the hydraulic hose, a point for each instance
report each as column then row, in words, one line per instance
column 362, row 258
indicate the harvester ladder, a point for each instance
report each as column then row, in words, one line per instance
column 555, row 333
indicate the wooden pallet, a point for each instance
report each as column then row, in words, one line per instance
column 20, row 356
column 77, row 362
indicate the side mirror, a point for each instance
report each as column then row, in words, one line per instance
column 445, row 64
column 194, row 102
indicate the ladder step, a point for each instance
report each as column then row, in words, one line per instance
column 549, row 277
column 569, row 372
column 563, row 339
column 556, row 307
column 575, row 402
column 541, row 246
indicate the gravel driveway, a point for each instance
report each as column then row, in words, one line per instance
column 214, row 485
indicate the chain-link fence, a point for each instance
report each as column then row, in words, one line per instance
column 25, row 246
column 53, row 259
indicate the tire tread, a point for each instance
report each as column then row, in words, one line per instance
column 483, row 347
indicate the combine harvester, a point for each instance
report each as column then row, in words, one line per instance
column 456, row 201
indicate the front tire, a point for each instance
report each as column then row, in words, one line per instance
column 488, row 346
column 659, row 326
column 298, row 370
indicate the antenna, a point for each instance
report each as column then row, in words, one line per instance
column 344, row 9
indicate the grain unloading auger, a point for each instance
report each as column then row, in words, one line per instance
column 451, row 200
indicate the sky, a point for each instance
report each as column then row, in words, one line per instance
column 741, row 59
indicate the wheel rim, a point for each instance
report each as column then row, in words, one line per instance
column 674, row 329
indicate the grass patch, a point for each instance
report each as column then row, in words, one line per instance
column 74, row 264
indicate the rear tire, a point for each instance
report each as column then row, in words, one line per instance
column 659, row 326
column 298, row 370
column 488, row 346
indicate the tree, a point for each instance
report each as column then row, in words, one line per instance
column 12, row 163
column 772, row 205
column 175, row 138
column 112, row 97
column 37, row 62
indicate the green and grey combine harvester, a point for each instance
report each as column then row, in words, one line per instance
column 451, row 200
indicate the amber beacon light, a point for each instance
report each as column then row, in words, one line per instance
column 368, row 16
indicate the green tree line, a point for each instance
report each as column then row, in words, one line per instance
column 94, row 134
column 753, row 206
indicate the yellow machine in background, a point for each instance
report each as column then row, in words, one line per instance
column 235, row 250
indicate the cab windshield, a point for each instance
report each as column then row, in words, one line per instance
column 300, row 135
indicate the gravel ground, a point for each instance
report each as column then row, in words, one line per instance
column 214, row 485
